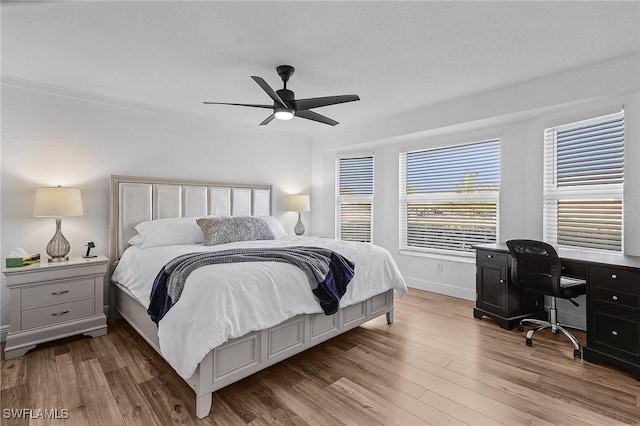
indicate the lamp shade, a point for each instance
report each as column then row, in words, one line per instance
column 298, row 203
column 58, row 201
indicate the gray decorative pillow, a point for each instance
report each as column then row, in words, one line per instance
column 221, row 230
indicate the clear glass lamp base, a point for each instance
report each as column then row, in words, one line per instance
column 58, row 248
column 299, row 229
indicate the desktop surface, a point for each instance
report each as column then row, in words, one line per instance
column 587, row 256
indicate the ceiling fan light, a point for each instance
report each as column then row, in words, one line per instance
column 284, row 114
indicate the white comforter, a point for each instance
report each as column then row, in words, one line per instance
column 221, row 302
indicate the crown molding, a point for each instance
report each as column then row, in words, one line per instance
column 50, row 89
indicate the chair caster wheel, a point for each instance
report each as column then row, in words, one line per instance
column 577, row 353
column 520, row 327
column 529, row 342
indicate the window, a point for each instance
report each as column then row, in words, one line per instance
column 354, row 198
column 449, row 198
column 583, row 178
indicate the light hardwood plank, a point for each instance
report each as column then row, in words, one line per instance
column 281, row 384
column 70, row 395
column 43, row 385
column 101, row 406
column 13, row 372
column 107, row 355
column 16, row 398
column 366, row 375
column 132, row 403
column 456, row 410
column 376, row 406
column 477, row 401
column 346, row 411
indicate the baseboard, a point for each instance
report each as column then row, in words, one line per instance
column 567, row 313
column 446, row 289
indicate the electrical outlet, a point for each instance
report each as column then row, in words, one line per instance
column 439, row 267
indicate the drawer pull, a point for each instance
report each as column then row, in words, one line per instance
column 614, row 276
column 614, row 297
column 57, row 314
column 56, row 293
column 501, row 281
column 489, row 256
column 615, row 333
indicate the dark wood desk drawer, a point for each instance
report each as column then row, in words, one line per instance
column 617, row 333
column 493, row 256
column 617, row 298
column 615, row 278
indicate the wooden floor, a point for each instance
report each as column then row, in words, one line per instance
column 435, row 365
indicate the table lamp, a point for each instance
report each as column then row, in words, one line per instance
column 299, row 203
column 57, row 202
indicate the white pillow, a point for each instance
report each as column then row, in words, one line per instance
column 275, row 226
column 136, row 240
column 170, row 231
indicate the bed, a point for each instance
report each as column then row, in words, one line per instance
column 209, row 361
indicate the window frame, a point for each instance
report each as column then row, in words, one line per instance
column 341, row 199
column 447, row 197
column 554, row 193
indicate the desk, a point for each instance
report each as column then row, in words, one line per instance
column 613, row 300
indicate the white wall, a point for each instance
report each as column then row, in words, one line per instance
column 517, row 115
column 52, row 137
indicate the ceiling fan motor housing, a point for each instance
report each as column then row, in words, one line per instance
column 285, row 113
column 286, row 95
column 285, row 72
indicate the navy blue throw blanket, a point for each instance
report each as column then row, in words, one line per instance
column 328, row 272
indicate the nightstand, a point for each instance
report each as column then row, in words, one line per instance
column 54, row 300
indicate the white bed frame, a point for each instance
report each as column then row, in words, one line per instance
column 137, row 199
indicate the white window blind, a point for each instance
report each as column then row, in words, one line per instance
column 449, row 198
column 583, row 180
column 354, row 198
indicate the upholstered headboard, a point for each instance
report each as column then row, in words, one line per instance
column 137, row 199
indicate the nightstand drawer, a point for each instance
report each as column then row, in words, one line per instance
column 40, row 317
column 51, row 294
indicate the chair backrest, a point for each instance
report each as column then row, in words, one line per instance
column 535, row 266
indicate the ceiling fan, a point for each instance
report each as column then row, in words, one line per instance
column 285, row 106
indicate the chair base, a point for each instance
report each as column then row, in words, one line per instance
column 554, row 326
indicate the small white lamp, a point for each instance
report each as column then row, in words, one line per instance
column 57, row 202
column 298, row 203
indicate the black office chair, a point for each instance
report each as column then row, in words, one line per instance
column 536, row 268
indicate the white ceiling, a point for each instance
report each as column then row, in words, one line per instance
column 397, row 56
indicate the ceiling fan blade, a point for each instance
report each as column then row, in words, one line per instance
column 310, row 115
column 247, row 105
column 268, row 119
column 272, row 94
column 304, row 104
